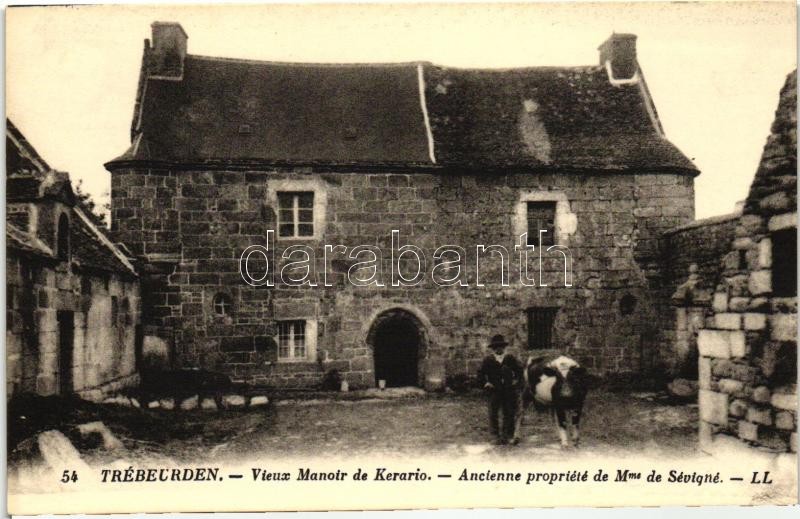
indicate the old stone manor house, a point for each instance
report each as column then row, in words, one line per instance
column 224, row 150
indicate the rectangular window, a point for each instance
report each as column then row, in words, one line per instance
column 784, row 263
column 295, row 214
column 542, row 217
column 540, row 327
column 292, row 340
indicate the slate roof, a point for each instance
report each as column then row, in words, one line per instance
column 92, row 249
column 29, row 179
column 21, row 241
column 236, row 111
column 564, row 117
column 288, row 113
column 89, row 250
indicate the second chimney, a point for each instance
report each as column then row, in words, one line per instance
column 168, row 51
column 620, row 51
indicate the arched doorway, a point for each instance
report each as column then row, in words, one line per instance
column 397, row 340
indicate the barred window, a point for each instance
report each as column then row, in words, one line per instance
column 542, row 217
column 540, row 327
column 292, row 340
column 295, row 214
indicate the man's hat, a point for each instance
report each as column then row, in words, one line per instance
column 498, row 342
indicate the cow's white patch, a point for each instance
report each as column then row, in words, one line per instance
column 543, row 392
column 562, row 364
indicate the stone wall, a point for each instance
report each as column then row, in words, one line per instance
column 748, row 351
column 105, row 312
column 698, row 246
column 192, row 226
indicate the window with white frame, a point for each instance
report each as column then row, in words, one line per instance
column 292, row 344
column 541, row 216
column 295, row 214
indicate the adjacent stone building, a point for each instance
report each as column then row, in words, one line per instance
column 72, row 297
column 747, row 338
column 228, row 154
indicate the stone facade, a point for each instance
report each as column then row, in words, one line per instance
column 72, row 297
column 748, row 347
column 104, row 312
column 198, row 223
column 442, row 156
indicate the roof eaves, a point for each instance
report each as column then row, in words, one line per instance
column 105, row 241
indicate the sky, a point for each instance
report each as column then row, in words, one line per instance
column 714, row 69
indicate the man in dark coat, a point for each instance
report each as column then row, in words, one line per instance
column 501, row 377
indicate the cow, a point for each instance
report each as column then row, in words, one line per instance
column 557, row 384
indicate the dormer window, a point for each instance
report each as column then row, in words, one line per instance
column 62, row 238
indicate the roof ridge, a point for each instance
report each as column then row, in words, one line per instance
column 397, row 64
column 393, row 64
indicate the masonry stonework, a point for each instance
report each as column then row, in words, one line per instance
column 199, row 222
column 748, row 349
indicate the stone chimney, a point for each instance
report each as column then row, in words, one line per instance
column 620, row 51
column 168, row 50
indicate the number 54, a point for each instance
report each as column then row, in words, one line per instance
column 69, row 476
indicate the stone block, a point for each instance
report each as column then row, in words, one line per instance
column 748, row 431
column 721, row 368
column 233, row 401
column 738, row 304
column 759, row 304
column 208, row 403
column 785, row 401
column 743, row 243
column 738, row 408
column 759, row 415
column 728, row 321
column 782, row 221
column 784, row 420
column 167, row 403
column 259, row 400
column 713, row 407
column 704, row 373
column 761, row 395
column 730, row 386
column 776, row 202
column 760, row 282
column 720, row 343
column 189, row 403
column 705, row 436
column 765, row 253
column 720, row 302
column 783, row 327
column 745, row 373
column 753, row 321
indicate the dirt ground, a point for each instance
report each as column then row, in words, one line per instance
column 393, row 422
column 448, row 424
